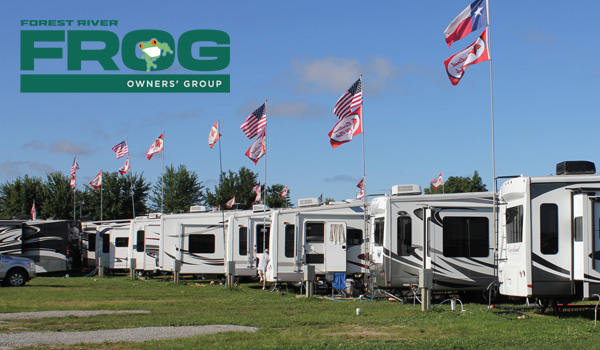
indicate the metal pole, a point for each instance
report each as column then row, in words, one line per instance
column 131, row 180
column 162, row 177
column 101, row 204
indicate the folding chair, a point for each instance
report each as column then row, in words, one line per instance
column 338, row 284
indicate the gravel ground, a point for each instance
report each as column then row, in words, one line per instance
column 8, row 341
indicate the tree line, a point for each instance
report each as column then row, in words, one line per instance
column 120, row 195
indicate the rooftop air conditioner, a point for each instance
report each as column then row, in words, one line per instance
column 404, row 190
column 308, row 202
column 575, row 167
column 198, row 208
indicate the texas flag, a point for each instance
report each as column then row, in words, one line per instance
column 346, row 128
column 469, row 20
column 475, row 53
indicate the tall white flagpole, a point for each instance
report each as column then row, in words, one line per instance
column 365, row 206
column 162, row 176
column 487, row 3
column 131, row 179
column 266, row 192
column 101, row 204
column 221, row 172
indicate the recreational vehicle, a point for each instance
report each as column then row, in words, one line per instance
column 443, row 240
column 144, row 242
column 248, row 233
column 550, row 234
column 54, row 245
column 112, row 244
column 329, row 237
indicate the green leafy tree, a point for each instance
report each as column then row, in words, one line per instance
column 113, row 198
column 274, row 198
column 181, row 189
column 58, row 197
column 16, row 198
column 459, row 184
column 328, row 200
column 234, row 184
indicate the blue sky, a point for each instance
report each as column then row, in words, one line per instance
column 301, row 56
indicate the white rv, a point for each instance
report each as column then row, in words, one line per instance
column 248, row 230
column 144, row 242
column 112, row 244
column 449, row 237
column 330, row 237
column 195, row 240
column 549, row 242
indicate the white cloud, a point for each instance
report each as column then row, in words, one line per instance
column 62, row 146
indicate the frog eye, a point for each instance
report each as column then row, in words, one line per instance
column 141, row 46
column 153, row 41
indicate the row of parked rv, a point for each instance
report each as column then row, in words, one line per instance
column 540, row 239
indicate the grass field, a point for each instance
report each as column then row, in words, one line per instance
column 284, row 321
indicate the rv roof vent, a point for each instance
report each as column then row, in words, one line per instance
column 575, row 167
column 308, row 202
column 403, row 190
column 198, row 208
column 260, row 207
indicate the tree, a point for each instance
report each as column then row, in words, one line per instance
column 234, row 184
column 16, row 198
column 181, row 190
column 274, row 199
column 58, row 197
column 113, row 198
column 459, row 184
column 328, row 200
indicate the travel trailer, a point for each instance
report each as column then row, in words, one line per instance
column 54, row 245
column 144, row 243
column 329, row 237
column 549, row 244
column 445, row 241
column 112, row 244
column 248, row 232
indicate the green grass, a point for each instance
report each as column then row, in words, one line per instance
column 284, row 321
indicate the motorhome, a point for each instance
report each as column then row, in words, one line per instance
column 443, row 240
column 329, row 237
column 54, row 245
column 144, row 243
column 549, row 243
column 112, row 244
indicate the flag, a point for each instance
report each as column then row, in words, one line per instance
column 361, row 186
column 125, row 167
column 230, row 202
column 121, row 149
column 72, row 182
column 213, row 135
column 469, row 20
column 74, row 167
column 258, row 148
column 257, row 190
column 346, row 128
column 475, row 53
column 351, row 99
column 284, row 193
column 438, row 181
column 97, row 181
column 217, row 208
column 33, row 212
column 255, row 122
column 321, row 199
column 157, row 146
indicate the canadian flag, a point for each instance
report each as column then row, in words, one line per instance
column 438, row 181
column 125, row 167
column 284, row 193
column 361, row 186
column 213, row 135
column 257, row 190
column 230, row 203
column 156, row 147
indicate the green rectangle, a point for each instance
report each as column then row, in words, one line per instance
column 125, row 83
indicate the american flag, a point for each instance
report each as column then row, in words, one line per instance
column 351, row 99
column 74, row 167
column 255, row 122
column 121, row 149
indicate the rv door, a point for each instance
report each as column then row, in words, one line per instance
column 335, row 247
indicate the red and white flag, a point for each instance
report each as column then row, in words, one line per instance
column 475, row 53
column 213, row 135
column 346, row 128
column 217, row 208
column 125, row 167
column 351, row 99
column 258, row 148
column 438, row 181
column 33, row 212
column 361, row 186
column 74, row 167
column 284, row 193
column 97, row 181
column 157, row 146
column 230, row 203
column 469, row 20
column 255, row 122
column 121, row 149
column 256, row 189
column 72, row 184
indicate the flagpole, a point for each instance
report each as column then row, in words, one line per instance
column 131, row 179
column 162, row 176
column 74, row 192
column 101, row 204
column 266, row 192
column 220, row 169
column 487, row 3
column 362, row 121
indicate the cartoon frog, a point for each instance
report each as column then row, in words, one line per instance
column 152, row 50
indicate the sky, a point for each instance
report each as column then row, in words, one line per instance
column 300, row 57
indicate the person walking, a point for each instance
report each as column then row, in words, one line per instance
column 261, row 267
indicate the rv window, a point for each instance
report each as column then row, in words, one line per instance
column 201, row 244
column 140, row 240
column 243, row 238
column 466, row 237
column 514, row 224
column 121, row 242
column 106, row 243
column 378, row 231
column 404, row 235
column 262, row 238
column 315, row 258
column 289, row 241
column 354, row 236
column 578, row 223
column 315, row 232
column 549, row 228
column 92, row 242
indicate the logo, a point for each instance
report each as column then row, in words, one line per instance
column 100, row 60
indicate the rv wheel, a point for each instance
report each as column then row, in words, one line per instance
column 16, row 278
